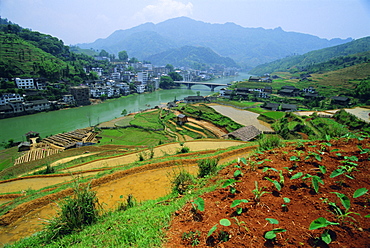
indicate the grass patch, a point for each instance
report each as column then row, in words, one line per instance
column 149, row 120
column 132, row 136
column 274, row 115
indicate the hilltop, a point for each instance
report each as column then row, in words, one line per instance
column 247, row 46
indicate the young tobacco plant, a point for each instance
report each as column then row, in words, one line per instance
column 342, row 215
column 315, row 180
column 258, row 192
column 271, row 235
column 347, row 168
column 223, row 222
column 236, row 203
column 322, row 223
column 230, row 182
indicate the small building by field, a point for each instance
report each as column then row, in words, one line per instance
column 181, row 119
column 245, row 133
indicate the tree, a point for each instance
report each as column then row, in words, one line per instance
column 170, row 67
column 166, row 82
column 103, row 53
column 124, row 112
column 122, row 55
column 175, row 76
column 133, row 60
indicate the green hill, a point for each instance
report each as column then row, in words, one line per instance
column 19, row 58
column 326, row 59
column 194, row 57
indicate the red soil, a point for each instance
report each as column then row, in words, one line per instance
column 305, row 204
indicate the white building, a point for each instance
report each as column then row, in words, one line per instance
column 37, row 105
column 5, row 98
column 27, row 83
column 69, row 99
column 143, row 76
column 140, row 88
column 116, row 76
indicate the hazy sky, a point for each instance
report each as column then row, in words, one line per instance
column 80, row 21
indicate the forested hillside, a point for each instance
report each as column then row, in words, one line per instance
column 326, row 59
column 26, row 53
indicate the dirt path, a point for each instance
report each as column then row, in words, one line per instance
column 159, row 151
column 243, row 117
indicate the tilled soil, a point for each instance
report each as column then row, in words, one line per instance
column 248, row 228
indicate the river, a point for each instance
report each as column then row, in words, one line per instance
column 65, row 120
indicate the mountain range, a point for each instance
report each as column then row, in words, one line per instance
column 331, row 58
column 248, row 47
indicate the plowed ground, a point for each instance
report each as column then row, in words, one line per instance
column 306, row 205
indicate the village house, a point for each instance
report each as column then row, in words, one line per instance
column 243, row 92
column 37, row 105
column 341, row 100
column 289, row 107
column 271, row 106
column 181, row 119
column 289, row 91
column 5, row 98
column 193, row 99
column 81, row 95
column 254, row 79
column 26, row 83
column 245, row 133
column 69, row 99
column 17, row 106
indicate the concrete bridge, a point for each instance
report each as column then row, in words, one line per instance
column 212, row 86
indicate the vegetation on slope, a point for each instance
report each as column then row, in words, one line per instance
column 331, row 58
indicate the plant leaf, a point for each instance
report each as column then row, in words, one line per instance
column 244, row 161
column 239, row 210
column 225, row 222
column 237, row 202
column 360, row 192
column 336, row 173
column 270, row 235
column 322, row 169
column 276, row 183
column 286, row 200
column 200, row 203
column 320, row 223
column 237, row 173
column 228, row 182
column 272, row 221
column 346, row 202
column 212, row 230
column 326, row 237
column 296, row 176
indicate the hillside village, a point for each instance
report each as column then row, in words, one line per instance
column 120, row 82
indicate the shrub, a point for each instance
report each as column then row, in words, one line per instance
column 130, row 203
column 207, row 167
column 75, row 212
column 269, row 142
column 181, row 182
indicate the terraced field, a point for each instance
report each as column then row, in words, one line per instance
column 149, row 181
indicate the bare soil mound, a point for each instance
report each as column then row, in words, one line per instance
column 312, row 195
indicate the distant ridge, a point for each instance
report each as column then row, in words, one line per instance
column 309, row 59
column 247, row 46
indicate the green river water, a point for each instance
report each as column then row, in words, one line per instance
column 65, row 120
